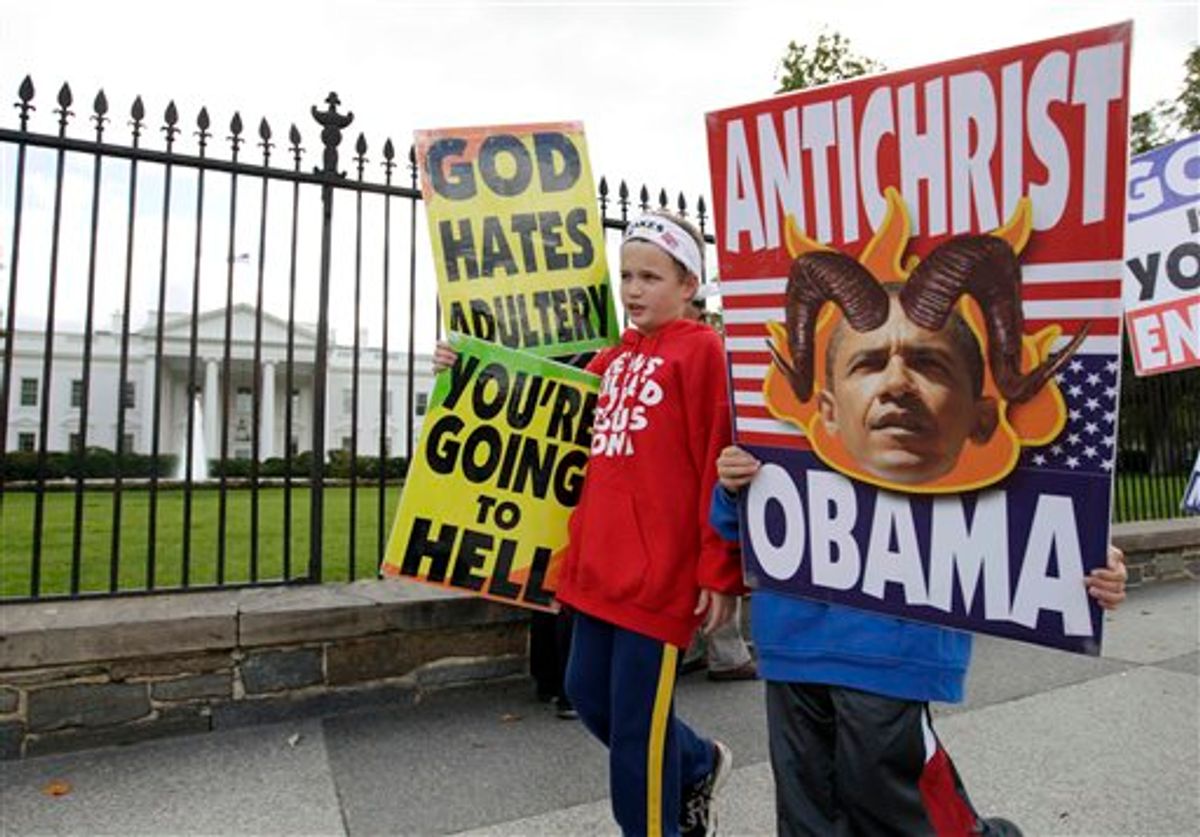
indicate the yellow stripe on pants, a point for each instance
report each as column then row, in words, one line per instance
column 658, row 740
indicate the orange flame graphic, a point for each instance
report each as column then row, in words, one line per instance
column 1032, row 423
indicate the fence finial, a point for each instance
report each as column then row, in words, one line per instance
column 332, row 123
column 137, row 113
column 264, row 136
column 170, row 118
column 203, row 123
column 360, row 154
column 99, row 109
column 25, row 105
column 294, row 140
column 65, row 99
column 389, row 160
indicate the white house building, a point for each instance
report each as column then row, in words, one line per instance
column 66, row 390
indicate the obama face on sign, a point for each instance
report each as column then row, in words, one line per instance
column 904, row 372
column 904, row 399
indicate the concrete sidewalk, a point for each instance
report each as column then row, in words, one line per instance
column 1059, row 743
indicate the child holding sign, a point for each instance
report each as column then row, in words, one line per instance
column 644, row 567
column 852, row 743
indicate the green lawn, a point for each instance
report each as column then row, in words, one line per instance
column 1139, row 496
column 1148, row 496
column 17, row 523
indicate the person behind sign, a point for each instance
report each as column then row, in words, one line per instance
column 850, row 734
column 644, row 567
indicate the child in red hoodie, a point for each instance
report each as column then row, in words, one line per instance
column 644, row 567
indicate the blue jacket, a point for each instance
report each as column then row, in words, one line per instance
column 805, row 641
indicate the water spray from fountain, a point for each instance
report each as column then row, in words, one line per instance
column 199, row 454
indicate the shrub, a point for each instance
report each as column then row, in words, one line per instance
column 97, row 463
column 367, row 467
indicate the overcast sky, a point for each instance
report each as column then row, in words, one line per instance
column 639, row 75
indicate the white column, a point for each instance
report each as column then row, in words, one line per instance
column 145, row 403
column 212, row 421
column 266, row 438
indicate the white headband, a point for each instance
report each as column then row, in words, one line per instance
column 674, row 239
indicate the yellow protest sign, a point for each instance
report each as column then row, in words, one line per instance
column 497, row 471
column 517, row 240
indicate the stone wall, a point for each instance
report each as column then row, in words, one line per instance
column 82, row 674
column 79, row 674
column 1160, row 550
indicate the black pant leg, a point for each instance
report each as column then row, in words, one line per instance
column 544, row 664
column 892, row 776
column 800, row 733
column 563, row 628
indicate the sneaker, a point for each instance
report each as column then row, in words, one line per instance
column 746, row 671
column 998, row 827
column 564, row 709
column 699, row 813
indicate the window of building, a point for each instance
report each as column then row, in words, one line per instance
column 294, row 445
column 29, row 392
column 128, row 395
column 245, row 400
column 127, row 443
column 75, row 442
column 422, row 403
column 389, row 402
column 347, row 443
column 26, row 442
column 347, row 399
column 295, row 402
column 77, row 392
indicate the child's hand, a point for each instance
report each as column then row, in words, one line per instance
column 717, row 607
column 1107, row 584
column 444, row 356
column 735, row 468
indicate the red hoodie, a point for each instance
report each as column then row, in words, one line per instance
column 641, row 546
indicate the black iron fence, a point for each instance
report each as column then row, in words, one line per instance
column 125, row 467
column 1158, row 441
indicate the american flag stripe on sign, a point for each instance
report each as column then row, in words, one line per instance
column 1067, row 294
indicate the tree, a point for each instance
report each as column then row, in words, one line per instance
column 829, row 59
column 1187, row 104
column 1168, row 120
column 1147, row 129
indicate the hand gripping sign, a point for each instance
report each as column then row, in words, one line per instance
column 517, row 240
column 497, row 471
column 921, row 290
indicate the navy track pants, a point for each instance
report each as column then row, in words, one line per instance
column 622, row 684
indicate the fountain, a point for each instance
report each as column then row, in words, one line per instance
column 199, row 454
